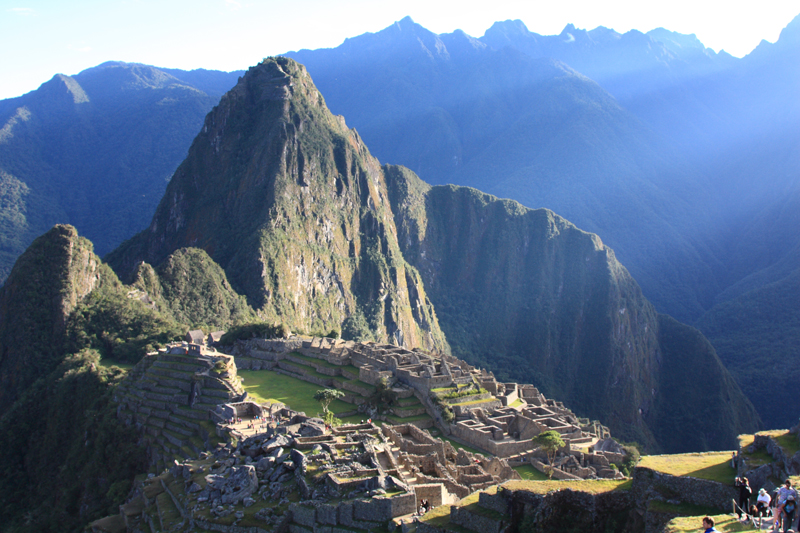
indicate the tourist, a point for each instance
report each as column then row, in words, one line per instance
column 708, row 525
column 744, row 495
column 789, row 507
column 783, row 495
column 762, row 503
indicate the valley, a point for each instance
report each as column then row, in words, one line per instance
column 470, row 302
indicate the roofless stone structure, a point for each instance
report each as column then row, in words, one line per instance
column 466, row 403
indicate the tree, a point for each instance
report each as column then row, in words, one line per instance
column 550, row 442
column 383, row 396
column 326, row 396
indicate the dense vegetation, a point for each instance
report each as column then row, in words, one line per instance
column 64, row 457
column 192, row 289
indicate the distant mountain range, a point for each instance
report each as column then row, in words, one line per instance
column 96, row 150
column 684, row 161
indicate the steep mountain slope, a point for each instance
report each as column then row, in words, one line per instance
column 756, row 335
column 96, row 150
column 486, row 114
column 54, row 275
column 63, row 316
column 316, row 234
column 526, row 293
column 292, row 206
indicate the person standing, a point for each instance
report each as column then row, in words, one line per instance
column 789, row 507
column 783, row 494
column 744, row 496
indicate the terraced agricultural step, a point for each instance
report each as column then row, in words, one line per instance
column 168, row 514
column 176, row 428
column 188, row 423
column 216, row 393
column 175, row 439
column 195, row 414
column 184, row 359
column 174, row 385
column 180, row 366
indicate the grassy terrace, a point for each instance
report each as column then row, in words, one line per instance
column 724, row 523
column 397, row 420
column 311, row 371
column 266, row 386
column 589, row 486
column 440, row 516
column 473, row 402
column 714, row 466
column 529, row 473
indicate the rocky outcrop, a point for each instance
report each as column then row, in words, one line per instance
column 54, row 274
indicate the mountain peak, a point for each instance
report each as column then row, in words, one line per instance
column 508, row 27
column 791, row 33
column 61, row 86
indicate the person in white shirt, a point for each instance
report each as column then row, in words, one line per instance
column 762, row 502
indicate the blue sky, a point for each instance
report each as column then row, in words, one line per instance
column 40, row 38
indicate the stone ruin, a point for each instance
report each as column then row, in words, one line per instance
column 499, row 418
column 355, row 476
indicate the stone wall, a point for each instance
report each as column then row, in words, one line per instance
column 433, row 492
column 483, row 441
column 649, row 484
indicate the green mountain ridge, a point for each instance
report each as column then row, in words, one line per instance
column 521, row 291
column 291, row 205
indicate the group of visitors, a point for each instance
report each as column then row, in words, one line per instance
column 424, row 506
column 782, row 504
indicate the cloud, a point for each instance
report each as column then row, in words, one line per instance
column 24, row 11
column 233, row 5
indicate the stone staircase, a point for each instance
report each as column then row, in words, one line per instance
column 169, row 396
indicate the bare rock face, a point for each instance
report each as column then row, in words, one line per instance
column 56, row 273
column 240, row 484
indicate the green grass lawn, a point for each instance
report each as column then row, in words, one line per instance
column 724, row 523
column 589, row 486
column 714, row 466
column 266, row 386
column 529, row 473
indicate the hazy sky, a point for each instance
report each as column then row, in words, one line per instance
column 39, row 38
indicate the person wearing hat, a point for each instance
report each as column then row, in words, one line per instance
column 762, row 502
